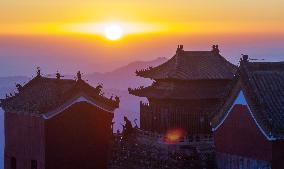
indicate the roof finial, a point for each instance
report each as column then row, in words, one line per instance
column 19, row 87
column 58, row 75
column 79, row 75
column 38, row 73
column 215, row 49
column 245, row 58
column 179, row 49
column 117, row 99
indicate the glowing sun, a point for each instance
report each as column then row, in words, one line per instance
column 113, row 32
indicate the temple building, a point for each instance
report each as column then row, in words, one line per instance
column 186, row 90
column 249, row 126
column 54, row 123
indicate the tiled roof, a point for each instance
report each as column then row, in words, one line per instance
column 263, row 87
column 192, row 65
column 192, row 90
column 42, row 94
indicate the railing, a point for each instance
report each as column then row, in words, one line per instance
column 206, row 138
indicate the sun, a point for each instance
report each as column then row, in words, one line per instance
column 113, row 32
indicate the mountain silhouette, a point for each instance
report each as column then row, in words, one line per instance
column 124, row 77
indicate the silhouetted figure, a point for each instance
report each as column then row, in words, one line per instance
column 79, row 76
column 117, row 131
column 38, row 73
column 136, row 126
column 127, row 127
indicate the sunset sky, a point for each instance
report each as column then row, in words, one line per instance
column 67, row 35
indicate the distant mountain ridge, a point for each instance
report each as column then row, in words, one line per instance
column 140, row 65
column 124, row 76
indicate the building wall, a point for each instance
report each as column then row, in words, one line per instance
column 24, row 140
column 191, row 115
column 240, row 136
column 278, row 154
column 78, row 138
column 229, row 161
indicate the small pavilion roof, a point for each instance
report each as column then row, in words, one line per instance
column 41, row 95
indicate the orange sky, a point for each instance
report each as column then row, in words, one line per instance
column 162, row 16
column 67, row 35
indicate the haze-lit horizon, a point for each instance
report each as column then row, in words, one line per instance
column 71, row 35
column 221, row 16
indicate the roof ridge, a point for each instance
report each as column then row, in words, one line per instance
column 198, row 51
column 184, row 65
